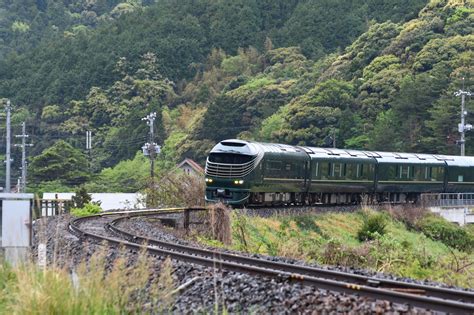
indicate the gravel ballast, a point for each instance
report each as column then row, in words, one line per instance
column 208, row 289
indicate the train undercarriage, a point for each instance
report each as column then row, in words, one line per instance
column 273, row 199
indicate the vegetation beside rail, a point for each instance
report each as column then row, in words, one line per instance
column 405, row 243
column 91, row 289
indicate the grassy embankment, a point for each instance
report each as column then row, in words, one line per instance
column 90, row 290
column 424, row 247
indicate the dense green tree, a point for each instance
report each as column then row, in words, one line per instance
column 60, row 162
column 411, row 107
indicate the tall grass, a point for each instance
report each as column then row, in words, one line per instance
column 334, row 239
column 92, row 288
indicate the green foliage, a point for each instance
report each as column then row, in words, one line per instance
column 126, row 176
column 81, row 198
column 374, row 226
column 60, row 162
column 86, row 209
column 439, row 229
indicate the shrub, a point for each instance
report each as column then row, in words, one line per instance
column 88, row 209
column 81, row 198
column 374, row 225
column 439, row 229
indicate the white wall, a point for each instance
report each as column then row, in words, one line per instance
column 109, row 201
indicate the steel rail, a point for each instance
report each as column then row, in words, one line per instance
column 321, row 283
column 400, row 286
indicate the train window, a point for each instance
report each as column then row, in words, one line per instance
column 274, row 165
column 426, row 172
column 316, row 169
column 230, row 158
column 361, row 170
column 344, row 170
column 436, row 173
column 404, row 172
column 391, row 172
column 337, row 168
column 350, row 171
column 371, row 169
column 330, row 170
column 417, row 172
column 324, row 170
column 288, row 167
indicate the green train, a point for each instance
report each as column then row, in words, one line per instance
column 252, row 173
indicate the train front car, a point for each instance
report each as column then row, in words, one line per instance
column 231, row 168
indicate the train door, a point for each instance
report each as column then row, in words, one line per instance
column 307, row 175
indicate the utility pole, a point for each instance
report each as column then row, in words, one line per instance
column 151, row 149
column 463, row 127
column 24, row 164
column 89, row 146
column 8, row 152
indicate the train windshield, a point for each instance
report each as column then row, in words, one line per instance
column 230, row 158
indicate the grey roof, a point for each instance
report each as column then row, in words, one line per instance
column 253, row 148
column 463, row 161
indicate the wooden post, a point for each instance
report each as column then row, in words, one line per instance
column 186, row 220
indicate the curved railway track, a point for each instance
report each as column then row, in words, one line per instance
column 424, row 296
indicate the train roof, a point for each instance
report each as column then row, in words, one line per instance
column 255, row 148
column 461, row 161
column 407, row 158
column 334, row 153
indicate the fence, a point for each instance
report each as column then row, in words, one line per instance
column 50, row 207
column 448, row 200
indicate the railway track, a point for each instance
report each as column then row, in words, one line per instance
column 424, row 296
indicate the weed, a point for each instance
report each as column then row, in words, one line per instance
column 220, row 223
column 87, row 209
column 374, row 225
column 89, row 289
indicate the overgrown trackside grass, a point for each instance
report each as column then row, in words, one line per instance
column 90, row 289
column 365, row 240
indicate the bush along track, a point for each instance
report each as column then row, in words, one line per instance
column 378, row 241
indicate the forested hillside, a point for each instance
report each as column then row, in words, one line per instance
column 377, row 74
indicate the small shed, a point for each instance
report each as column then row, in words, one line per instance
column 191, row 167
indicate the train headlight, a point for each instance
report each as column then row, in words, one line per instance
column 209, row 180
column 241, row 182
column 238, row 182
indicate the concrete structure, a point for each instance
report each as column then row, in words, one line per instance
column 16, row 226
column 454, row 207
column 190, row 167
column 108, row 201
column 459, row 215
